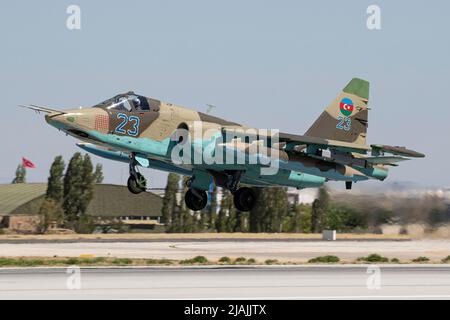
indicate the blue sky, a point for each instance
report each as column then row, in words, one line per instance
column 271, row 64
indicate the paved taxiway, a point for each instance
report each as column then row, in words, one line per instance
column 295, row 251
column 270, row 282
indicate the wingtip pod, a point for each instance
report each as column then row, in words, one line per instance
column 401, row 151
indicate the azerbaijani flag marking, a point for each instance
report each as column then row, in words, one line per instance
column 346, row 107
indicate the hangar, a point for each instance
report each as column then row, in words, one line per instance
column 20, row 204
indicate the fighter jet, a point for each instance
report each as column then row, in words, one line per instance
column 145, row 132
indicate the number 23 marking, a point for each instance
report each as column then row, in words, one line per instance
column 344, row 123
column 125, row 119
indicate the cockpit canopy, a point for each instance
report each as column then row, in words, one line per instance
column 125, row 102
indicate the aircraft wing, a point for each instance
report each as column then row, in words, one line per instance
column 376, row 149
column 293, row 139
column 343, row 152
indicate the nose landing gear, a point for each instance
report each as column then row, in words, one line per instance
column 136, row 182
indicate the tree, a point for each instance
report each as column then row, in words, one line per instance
column 55, row 187
column 257, row 218
column 78, row 192
column 87, row 185
column 345, row 218
column 98, row 173
column 186, row 218
column 169, row 206
column 73, row 184
column 21, row 173
column 298, row 219
column 319, row 210
column 241, row 224
column 212, row 209
column 50, row 212
column 225, row 211
column 277, row 209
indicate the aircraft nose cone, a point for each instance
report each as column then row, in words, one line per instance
column 59, row 121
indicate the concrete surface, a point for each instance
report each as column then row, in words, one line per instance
column 260, row 250
column 300, row 282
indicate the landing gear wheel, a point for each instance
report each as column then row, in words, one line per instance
column 196, row 199
column 244, row 199
column 137, row 184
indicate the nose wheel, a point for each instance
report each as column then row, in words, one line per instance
column 196, row 199
column 136, row 182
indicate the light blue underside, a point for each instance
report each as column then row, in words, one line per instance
column 290, row 173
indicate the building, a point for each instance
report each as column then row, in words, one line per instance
column 20, row 204
column 303, row 196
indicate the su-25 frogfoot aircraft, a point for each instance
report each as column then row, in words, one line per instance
column 150, row 133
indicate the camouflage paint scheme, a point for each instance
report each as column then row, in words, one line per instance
column 333, row 148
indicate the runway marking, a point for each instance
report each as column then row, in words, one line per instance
column 331, row 297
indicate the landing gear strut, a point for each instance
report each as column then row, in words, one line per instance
column 136, row 182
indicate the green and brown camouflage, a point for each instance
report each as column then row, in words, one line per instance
column 145, row 131
column 347, row 110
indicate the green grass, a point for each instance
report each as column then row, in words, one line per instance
column 240, row 260
column 85, row 261
column 420, row 259
column 30, row 262
column 122, row 261
column 158, row 262
column 395, row 260
column 374, row 257
column 195, row 260
column 225, row 260
column 251, row 261
column 324, row 259
column 271, row 261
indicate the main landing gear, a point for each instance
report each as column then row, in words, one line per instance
column 136, row 182
column 196, row 199
column 244, row 198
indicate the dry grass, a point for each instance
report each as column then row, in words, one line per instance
column 193, row 236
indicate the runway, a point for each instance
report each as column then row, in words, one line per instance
column 270, row 282
column 285, row 251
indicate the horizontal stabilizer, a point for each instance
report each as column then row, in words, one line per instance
column 400, row 151
column 385, row 160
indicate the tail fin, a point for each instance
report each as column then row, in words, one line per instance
column 345, row 119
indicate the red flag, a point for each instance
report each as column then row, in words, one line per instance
column 27, row 163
